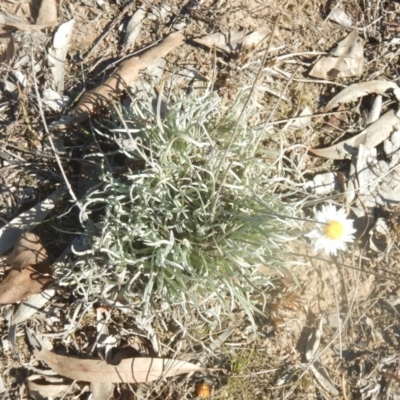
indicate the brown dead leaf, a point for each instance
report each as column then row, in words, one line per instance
column 357, row 90
column 98, row 98
column 42, row 387
column 132, row 370
column 47, row 13
column 370, row 137
column 18, row 285
column 236, row 40
column 28, row 251
column 346, row 60
column 30, row 273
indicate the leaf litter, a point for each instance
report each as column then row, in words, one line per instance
column 346, row 60
column 235, row 40
column 371, row 136
column 47, row 18
column 41, row 387
column 133, row 370
column 361, row 89
column 58, row 53
column 30, row 270
column 97, row 99
column 366, row 157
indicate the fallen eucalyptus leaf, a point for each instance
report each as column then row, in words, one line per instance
column 98, row 98
column 346, row 60
column 357, row 90
column 369, row 137
column 47, row 13
column 28, row 220
column 41, row 387
column 132, row 370
column 35, row 302
column 18, row 285
column 233, row 41
column 378, row 180
column 340, row 17
column 58, row 53
column 28, row 250
column 30, row 273
column 31, row 305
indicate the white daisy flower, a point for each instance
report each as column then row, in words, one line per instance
column 333, row 230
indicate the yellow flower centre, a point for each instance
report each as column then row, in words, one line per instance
column 334, row 230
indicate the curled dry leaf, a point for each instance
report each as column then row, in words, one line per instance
column 370, row 137
column 131, row 370
column 233, row 41
column 28, row 250
column 357, row 90
column 346, row 60
column 98, row 98
column 20, row 284
column 30, row 273
column 340, row 17
column 58, row 53
column 40, row 387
